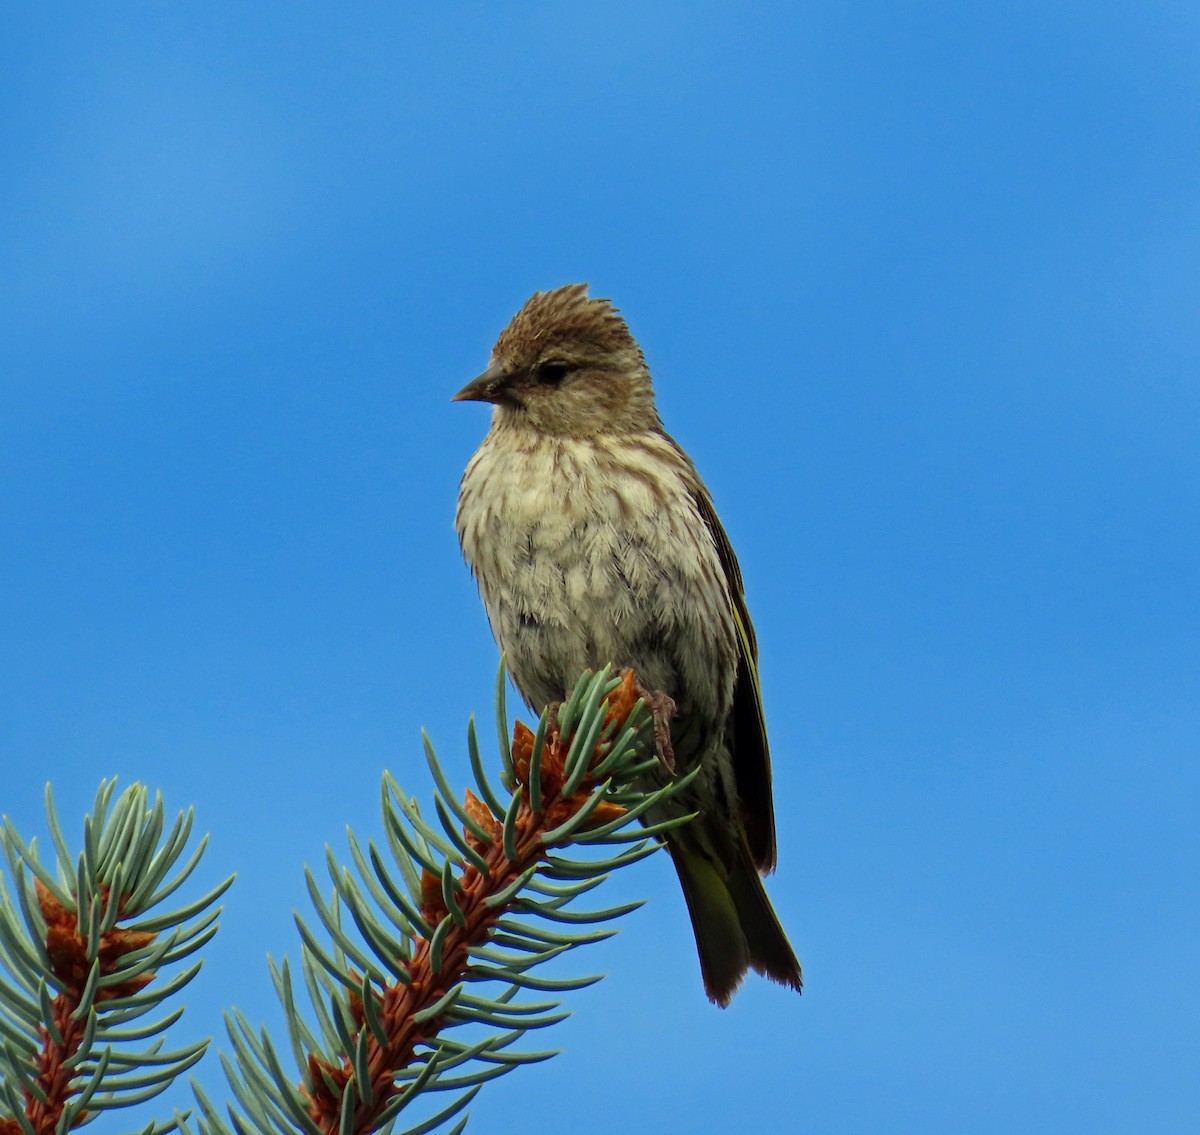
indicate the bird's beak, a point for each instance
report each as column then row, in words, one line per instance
column 488, row 387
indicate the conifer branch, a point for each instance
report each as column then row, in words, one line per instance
column 450, row 933
column 82, row 958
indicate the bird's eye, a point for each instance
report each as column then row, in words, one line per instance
column 552, row 371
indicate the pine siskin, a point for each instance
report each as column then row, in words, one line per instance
column 594, row 541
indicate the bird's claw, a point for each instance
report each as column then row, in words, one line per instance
column 662, row 709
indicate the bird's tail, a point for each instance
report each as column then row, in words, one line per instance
column 735, row 925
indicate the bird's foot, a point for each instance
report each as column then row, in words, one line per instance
column 662, row 709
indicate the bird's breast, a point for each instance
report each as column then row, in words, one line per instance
column 592, row 552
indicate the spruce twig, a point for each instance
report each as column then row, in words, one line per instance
column 451, row 932
column 82, row 958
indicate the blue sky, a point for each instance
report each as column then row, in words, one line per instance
column 918, row 286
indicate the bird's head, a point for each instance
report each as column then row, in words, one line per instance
column 566, row 366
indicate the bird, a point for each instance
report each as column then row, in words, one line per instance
column 594, row 541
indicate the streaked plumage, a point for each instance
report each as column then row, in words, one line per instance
column 594, row 541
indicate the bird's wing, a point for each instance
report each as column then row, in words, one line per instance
column 748, row 732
